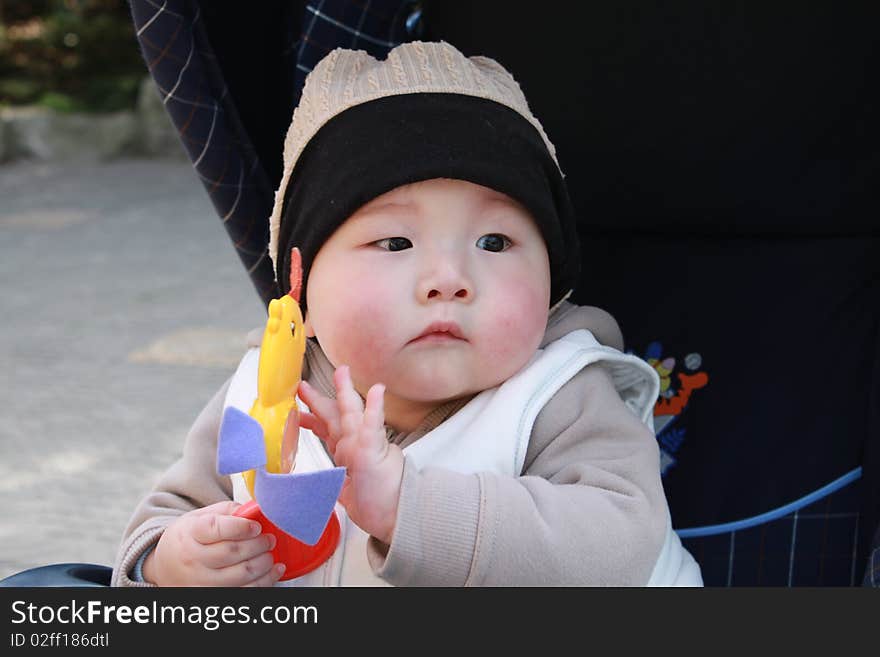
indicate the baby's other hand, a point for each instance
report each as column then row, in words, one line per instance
column 212, row 547
column 355, row 438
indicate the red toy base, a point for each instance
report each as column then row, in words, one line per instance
column 296, row 555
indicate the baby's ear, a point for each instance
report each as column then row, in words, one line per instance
column 296, row 273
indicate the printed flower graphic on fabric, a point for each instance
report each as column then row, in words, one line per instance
column 675, row 393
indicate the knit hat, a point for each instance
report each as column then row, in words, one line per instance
column 364, row 127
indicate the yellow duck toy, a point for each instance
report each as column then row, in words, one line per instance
column 296, row 508
column 280, row 369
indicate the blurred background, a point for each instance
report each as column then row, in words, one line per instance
column 68, row 54
column 123, row 304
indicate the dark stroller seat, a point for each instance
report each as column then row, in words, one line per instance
column 79, row 575
column 724, row 162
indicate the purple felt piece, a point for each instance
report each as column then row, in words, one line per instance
column 299, row 504
column 240, row 445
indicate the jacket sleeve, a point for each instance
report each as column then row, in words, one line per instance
column 190, row 483
column 589, row 508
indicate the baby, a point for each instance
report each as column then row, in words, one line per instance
column 492, row 432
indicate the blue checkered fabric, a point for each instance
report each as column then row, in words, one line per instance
column 812, row 546
column 374, row 26
column 186, row 71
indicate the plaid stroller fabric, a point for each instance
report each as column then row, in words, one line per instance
column 813, row 545
column 184, row 65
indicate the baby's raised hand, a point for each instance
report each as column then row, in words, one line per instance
column 212, row 547
column 355, row 438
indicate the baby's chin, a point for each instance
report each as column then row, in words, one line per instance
column 438, row 390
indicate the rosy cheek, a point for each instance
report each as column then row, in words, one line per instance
column 520, row 315
column 357, row 333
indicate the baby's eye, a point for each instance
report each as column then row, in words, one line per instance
column 394, row 243
column 494, row 242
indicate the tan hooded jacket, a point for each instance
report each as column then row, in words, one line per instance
column 588, row 509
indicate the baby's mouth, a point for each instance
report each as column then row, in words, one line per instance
column 440, row 332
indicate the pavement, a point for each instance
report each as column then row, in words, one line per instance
column 123, row 308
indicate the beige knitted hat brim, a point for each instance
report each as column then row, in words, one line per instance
column 346, row 78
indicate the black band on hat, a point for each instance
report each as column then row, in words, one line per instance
column 377, row 146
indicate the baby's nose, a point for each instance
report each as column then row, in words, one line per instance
column 446, row 283
column 461, row 293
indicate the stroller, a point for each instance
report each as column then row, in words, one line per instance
column 724, row 164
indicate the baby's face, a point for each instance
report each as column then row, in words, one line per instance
column 438, row 289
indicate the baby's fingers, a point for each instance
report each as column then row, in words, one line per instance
column 318, row 427
column 351, row 408
column 226, row 508
column 347, row 397
column 247, row 572
column 269, row 578
column 321, row 407
column 228, row 553
column 209, row 528
column 374, row 414
column 314, row 424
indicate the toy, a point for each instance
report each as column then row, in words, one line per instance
column 280, row 366
column 296, row 507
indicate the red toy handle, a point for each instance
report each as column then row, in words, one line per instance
column 296, row 555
